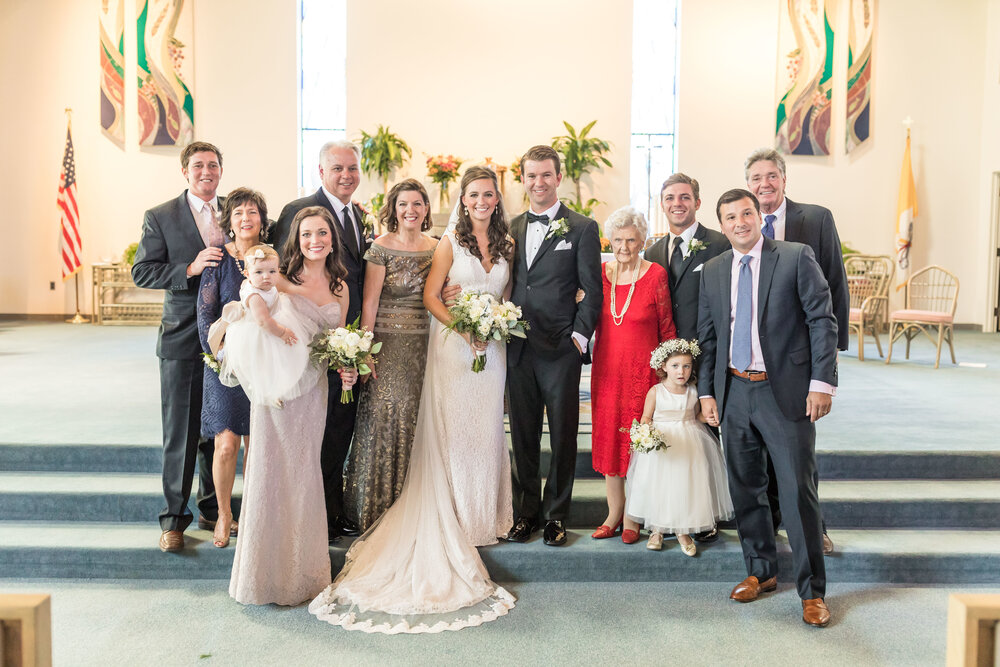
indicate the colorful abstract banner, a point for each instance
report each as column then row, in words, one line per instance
column 861, row 24
column 166, row 106
column 113, row 70
column 805, row 78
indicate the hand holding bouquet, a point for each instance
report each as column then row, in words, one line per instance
column 345, row 347
column 645, row 438
column 484, row 318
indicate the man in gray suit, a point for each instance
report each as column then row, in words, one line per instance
column 768, row 372
column 786, row 220
column 180, row 238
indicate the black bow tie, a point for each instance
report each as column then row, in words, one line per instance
column 544, row 219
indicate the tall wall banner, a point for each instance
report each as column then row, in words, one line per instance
column 112, row 27
column 859, row 71
column 805, row 78
column 164, row 33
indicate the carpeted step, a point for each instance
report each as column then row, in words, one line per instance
column 833, row 465
column 124, row 551
column 846, row 504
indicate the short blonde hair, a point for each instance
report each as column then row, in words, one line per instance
column 258, row 253
column 627, row 216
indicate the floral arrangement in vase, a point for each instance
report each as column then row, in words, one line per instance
column 443, row 169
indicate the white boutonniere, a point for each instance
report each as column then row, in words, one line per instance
column 694, row 245
column 558, row 228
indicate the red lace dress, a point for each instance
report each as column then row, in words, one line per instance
column 621, row 376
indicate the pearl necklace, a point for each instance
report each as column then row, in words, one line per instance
column 619, row 318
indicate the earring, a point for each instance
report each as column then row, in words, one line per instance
column 465, row 209
column 232, row 234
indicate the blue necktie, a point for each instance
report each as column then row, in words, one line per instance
column 744, row 316
column 769, row 226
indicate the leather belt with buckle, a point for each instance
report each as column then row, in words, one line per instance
column 753, row 376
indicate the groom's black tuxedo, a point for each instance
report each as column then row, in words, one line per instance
column 339, row 416
column 684, row 288
column 543, row 370
column 170, row 242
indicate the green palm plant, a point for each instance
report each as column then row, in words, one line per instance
column 382, row 153
column 580, row 154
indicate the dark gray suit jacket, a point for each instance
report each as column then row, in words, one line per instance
column 352, row 260
column 546, row 292
column 684, row 290
column 797, row 330
column 170, row 241
column 814, row 226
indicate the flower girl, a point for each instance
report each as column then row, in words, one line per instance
column 266, row 341
column 681, row 489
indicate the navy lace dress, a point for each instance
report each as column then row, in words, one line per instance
column 222, row 407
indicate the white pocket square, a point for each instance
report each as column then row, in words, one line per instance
column 564, row 245
column 698, row 268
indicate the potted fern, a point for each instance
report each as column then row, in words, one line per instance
column 382, row 153
column 580, row 154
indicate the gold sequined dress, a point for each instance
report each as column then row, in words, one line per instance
column 387, row 408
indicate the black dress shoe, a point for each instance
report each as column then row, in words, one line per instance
column 346, row 527
column 522, row 530
column 554, row 534
column 334, row 540
column 707, row 536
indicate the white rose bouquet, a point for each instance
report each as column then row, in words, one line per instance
column 345, row 347
column 645, row 438
column 485, row 318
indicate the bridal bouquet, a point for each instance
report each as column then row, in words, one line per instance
column 345, row 347
column 645, row 438
column 484, row 318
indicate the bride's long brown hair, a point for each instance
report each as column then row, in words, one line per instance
column 497, row 233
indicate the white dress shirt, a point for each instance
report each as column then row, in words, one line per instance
column 686, row 237
column 344, row 215
column 206, row 217
column 756, row 353
column 535, row 233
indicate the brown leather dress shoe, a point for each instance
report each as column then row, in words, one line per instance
column 171, row 540
column 815, row 613
column 750, row 589
column 827, row 545
column 206, row 524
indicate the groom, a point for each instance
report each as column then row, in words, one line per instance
column 558, row 252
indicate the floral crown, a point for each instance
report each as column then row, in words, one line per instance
column 675, row 346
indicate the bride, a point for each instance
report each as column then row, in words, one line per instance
column 417, row 569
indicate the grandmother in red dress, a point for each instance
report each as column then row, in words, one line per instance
column 635, row 318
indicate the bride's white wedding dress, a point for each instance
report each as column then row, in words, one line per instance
column 417, row 569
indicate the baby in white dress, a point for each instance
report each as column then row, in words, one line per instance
column 266, row 340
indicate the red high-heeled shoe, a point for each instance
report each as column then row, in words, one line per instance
column 604, row 531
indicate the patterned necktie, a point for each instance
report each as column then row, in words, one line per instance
column 676, row 258
column 744, row 316
column 215, row 236
column 769, row 226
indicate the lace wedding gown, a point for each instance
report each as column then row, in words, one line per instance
column 417, row 569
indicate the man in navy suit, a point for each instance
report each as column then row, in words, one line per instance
column 768, row 372
column 180, row 238
column 340, row 174
column 785, row 220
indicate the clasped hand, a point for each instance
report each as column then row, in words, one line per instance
column 206, row 258
column 348, row 377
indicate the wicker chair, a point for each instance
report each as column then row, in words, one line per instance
column 931, row 298
column 868, row 280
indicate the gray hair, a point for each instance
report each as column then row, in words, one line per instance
column 760, row 155
column 627, row 216
column 339, row 144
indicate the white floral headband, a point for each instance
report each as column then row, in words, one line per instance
column 675, row 346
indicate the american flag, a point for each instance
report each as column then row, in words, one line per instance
column 69, row 213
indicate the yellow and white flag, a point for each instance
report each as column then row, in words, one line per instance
column 906, row 211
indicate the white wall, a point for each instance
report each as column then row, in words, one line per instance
column 245, row 102
column 451, row 76
column 929, row 63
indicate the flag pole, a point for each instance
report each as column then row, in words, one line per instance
column 78, row 318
